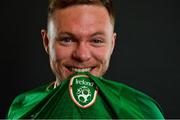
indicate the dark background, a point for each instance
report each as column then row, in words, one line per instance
column 146, row 56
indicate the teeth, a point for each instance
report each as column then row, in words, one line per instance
column 81, row 70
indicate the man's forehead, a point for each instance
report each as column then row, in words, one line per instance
column 81, row 21
column 81, row 6
column 79, row 11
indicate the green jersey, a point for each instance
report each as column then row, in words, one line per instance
column 85, row 96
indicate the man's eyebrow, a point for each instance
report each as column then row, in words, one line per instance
column 66, row 33
column 74, row 36
column 98, row 33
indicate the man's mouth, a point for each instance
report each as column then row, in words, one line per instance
column 80, row 69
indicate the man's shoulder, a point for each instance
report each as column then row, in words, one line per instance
column 124, row 90
column 27, row 100
column 39, row 91
column 131, row 97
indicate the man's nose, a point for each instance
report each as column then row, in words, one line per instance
column 81, row 53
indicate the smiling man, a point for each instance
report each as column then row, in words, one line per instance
column 79, row 40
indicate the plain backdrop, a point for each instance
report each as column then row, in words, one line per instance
column 146, row 55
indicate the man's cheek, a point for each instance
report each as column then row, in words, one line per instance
column 60, row 55
column 103, row 56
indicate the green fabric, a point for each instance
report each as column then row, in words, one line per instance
column 114, row 100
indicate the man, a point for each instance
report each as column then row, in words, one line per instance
column 80, row 39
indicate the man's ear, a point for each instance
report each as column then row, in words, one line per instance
column 113, row 42
column 45, row 40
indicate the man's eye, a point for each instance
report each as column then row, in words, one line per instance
column 97, row 41
column 66, row 40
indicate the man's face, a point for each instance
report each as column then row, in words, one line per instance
column 79, row 38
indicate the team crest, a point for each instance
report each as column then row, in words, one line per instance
column 83, row 91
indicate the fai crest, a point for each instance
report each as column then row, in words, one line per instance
column 83, row 91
